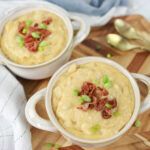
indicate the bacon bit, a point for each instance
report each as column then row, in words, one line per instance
column 28, row 39
column 100, row 104
column 36, row 25
column 21, row 27
column 44, row 32
column 33, row 29
column 32, row 46
column 105, row 92
column 32, row 43
column 86, row 106
column 99, row 98
column 35, row 43
column 47, row 21
column 106, row 113
column 87, row 89
column 98, row 93
column 113, row 103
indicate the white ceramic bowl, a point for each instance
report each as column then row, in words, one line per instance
column 46, row 69
column 35, row 120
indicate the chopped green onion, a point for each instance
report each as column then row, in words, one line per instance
column 29, row 23
column 137, row 123
column 105, row 79
column 20, row 41
column 43, row 43
column 108, row 55
column 108, row 84
column 75, row 92
column 96, row 82
column 108, row 105
column 98, row 47
column 24, row 30
column 56, row 146
column 35, row 35
column 86, row 98
column 49, row 145
column 116, row 114
column 40, row 49
column 95, row 128
column 43, row 26
column 81, row 100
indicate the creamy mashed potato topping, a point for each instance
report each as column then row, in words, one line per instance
column 67, row 100
column 33, row 39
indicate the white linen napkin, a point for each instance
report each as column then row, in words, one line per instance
column 14, row 129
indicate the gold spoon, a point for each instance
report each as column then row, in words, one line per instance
column 121, row 43
column 126, row 30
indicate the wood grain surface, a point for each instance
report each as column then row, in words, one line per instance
column 135, row 61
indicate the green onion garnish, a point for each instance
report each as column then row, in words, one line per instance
column 20, row 41
column 81, row 100
column 116, row 114
column 75, row 92
column 29, row 23
column 40, row 49
column 98, row 47
column 35, row 35
column 49, row 145
column 86, row 98
column 108, row 84
column 43, row 26
column 56, row 146
column 108, row 105
column 24, row 31
column 43, row 43
column 108, row 55
column 137, row 123
column 95, row 128
column 105, row 79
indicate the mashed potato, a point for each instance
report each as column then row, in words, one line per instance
column 80, row 122
column 56, row 41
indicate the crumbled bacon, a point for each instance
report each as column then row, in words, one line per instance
column 100, row 104
column 30, row 42
column 47, row 21
column 105, row 92
column 86, row 106
column 113, row 103
column 28, row 39
column 87, row 89
column 36, row 25
column 35, row 43
column 106, row 113
column 99, row 98
column 32, row 46
column 21, row 27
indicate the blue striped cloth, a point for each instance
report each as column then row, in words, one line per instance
column 90, row 7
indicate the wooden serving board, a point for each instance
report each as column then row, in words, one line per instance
column 134, row 61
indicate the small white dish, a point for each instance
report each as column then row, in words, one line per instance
column 53, row 125
column 46, row 69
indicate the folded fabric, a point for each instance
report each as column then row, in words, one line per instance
column 14, row 129
column 90, row 7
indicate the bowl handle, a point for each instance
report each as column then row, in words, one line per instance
column 146, row 80
column 32, row 116
column 83, row 32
